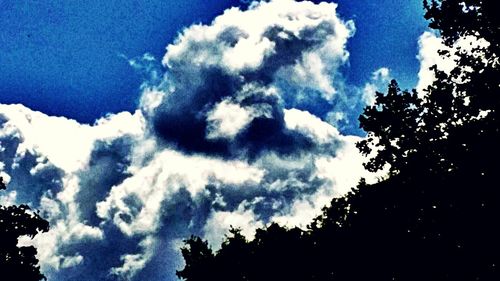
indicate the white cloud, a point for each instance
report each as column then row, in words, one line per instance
column 380, row 79
column 301, row 42
column 219, row 223
column 64, row 142
column 429, row 46
column 310, row 125
column 8, row 199
column 344, row 170
column 303, row 211
column 340, row 173
column 64, row 145
column 255, row 50
column 240, row 40
column 227, row 119
column 133, row 263
column 124, row 179
column 381, row 74
column 168, row 172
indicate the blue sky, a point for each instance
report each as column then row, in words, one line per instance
column 68, row 57
column 214, row 117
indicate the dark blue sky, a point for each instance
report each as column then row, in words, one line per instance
column 67, row 57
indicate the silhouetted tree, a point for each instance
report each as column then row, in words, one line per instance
column 199, row 259
column 391, row 123
column 437, row 215
column 19, row 263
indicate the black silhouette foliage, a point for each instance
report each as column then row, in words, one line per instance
column 391, row 124
column 19, row 263
column 436, row 216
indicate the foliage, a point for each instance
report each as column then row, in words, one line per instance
column 437, row 216
column 17, row 262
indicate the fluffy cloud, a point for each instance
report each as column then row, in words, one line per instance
column 220, row 222
column 431, row 44
column 234, row 132
column 43, row 157
column 380, row 79
column 165, row 175
column 248, row 64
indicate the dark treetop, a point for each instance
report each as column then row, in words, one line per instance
column 19, row 263
column 435, row 216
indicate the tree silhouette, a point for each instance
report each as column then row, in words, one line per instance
column 437, row 215
column 391, row 123
column 19, row 263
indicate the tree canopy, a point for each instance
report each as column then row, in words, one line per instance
column 435, row 217
column 19, row 263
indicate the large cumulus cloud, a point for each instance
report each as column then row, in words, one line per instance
column 229, row 81
column 243, row 127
